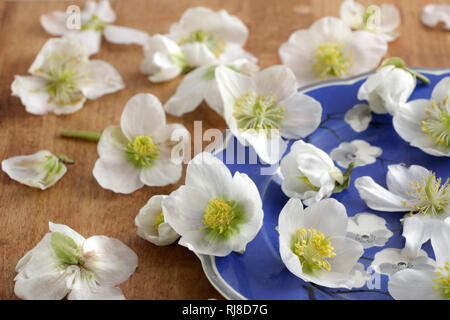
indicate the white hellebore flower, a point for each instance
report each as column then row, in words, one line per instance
column 40, row 170
column 432, row 14
column 63, row 78
column 381, row 20
column 144, row 150
column 152, row 225
column 330, row 49
column 214, row 212
column 425, row 124
column 65, row 263
column 309, row 173
column 89, row 24
column 260, row 110
column 368, row 229
column 358, row 152
column 411, row 189
column 387, row 89
column 426, row 284
column 201, row 84
column 313, row 244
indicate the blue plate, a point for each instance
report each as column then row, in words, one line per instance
column 259, row 273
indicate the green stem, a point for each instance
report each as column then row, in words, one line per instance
column 419, row 76
column 80, row 134
column 65, row 159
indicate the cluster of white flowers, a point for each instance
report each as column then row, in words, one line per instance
column 217, row 213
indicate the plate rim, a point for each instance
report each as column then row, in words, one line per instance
column 208, row 262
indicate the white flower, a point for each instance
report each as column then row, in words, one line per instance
column 144, row 150
column 260, row 110
column 329, row 49
column 40, row 170
column 425, row 124
column 309, row 173
column 64, row 263
column 214, row 212
column 426, row 284
column 152, row 225
column 210, row 36
column 358, row 117
column 391, row 260
column 358, row 152
column 95, row 20
column 368, row 229
column 387, row 89
column 313, row 245
column 381, row 20
column 411, row 189
column 432, row 14
column 201, row 84
column 63, row 78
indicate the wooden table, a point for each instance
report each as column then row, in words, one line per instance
column 77, row 200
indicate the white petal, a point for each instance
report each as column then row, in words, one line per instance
column 33, row 94
column 162, row 173
column 440, row 241
column 29, row 170
column 50, row 286
column 112, row 143
column 302, row 116
column 198, row 54
column 117, row 175
column 142, row 115
column 85, row 292
column 352, row 13
column 348, row 252
column 416, row 232
column 390, row 17
column 413, row 285
column 269, row 149
column 378, row 198
column 90, row 39
column 441, row 90
column 190, row 92
column 327, row 216
column 432, row 14
column 358, row 117
column 55, row 23
column 400, row 177
column 331, row 29
column 105, row 12
column 367, row 50
column 125, row 35
column 104, row 79
column 291, row 219
column 276, row 80
column 112, row 261
column 292, row 185
column 312, row 161
column 234, row 52
column 61, row 228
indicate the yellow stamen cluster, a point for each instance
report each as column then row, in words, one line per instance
column 142, row 151
column 215, row 43
column 437, row 124
column 95, row 23
column 313, row 249
column 442, row 282
column 429, row 196
column 258, row 112
column 218, row 216
column 158, row 220
column 331, row 61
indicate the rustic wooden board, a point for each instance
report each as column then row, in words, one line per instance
column 77, row 200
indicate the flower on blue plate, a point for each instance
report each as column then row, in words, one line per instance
column 358, row 152
column 391, row 260
column 64, row 263
column 358, row 117
column 214, row 212
column 260, row 110
column 63, row 78
column 152, row 225
column 314, row 246
column 94, row 20
column 411, row 189
column 425, row 124
column 368, row 229
column 426, row 284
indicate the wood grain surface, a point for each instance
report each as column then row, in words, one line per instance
column 77, row 200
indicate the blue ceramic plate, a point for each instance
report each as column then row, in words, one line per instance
column 259, row 273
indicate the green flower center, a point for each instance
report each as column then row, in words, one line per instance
column 63, row 86
column 258, row 112
column 429, row 196
column 142, row 151
column 313, row 250
column 66, row 250
column 437, row 125
column 222, row 217
column 158, row 220
column 95, row 23
column 331, row 61
column 442, row 281
column 51, row 166
column 214, row 43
